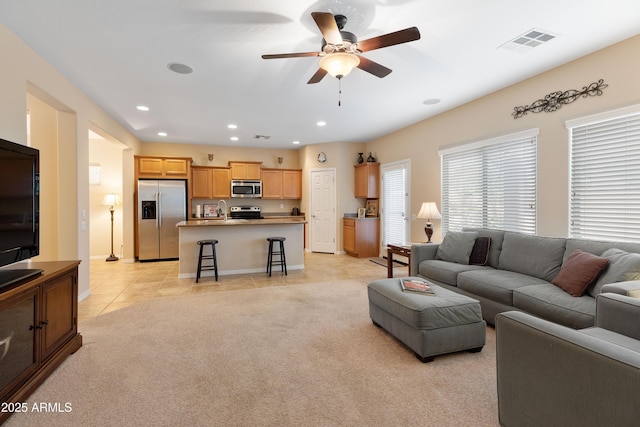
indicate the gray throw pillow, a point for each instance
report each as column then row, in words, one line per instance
column 457, row 246
column 623, row 266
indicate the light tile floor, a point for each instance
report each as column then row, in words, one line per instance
column 118, row 284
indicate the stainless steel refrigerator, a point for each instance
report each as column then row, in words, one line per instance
column 161, row 205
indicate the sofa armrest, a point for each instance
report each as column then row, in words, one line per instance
column 630, row 288
column 550, row 374
column 619, row 314
column 419, row 253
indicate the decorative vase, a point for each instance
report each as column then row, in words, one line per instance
column 360, row 158
column 371, row 159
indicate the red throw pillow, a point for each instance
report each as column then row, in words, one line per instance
column 579, row 271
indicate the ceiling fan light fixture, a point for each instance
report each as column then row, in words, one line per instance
column 339, row 64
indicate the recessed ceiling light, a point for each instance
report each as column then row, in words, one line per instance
column 296, row 142
column 321, row 123
column 179, row 68
column 431, row 101
column 234, row 138
column 232, row 126
column 162, row 134
column 142, row 108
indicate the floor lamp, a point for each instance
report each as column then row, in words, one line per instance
column 111, row 200
column 429, row 211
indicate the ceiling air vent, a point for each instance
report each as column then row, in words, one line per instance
column 262, row 137
column 527, row 41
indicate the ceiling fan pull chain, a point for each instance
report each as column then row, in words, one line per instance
column 339, row 92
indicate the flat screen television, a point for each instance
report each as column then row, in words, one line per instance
column 19, row 209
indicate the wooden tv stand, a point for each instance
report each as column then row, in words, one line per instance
column 44, row 309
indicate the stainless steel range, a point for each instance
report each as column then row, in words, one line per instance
column 246, row 212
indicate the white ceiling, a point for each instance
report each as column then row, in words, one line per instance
column 117, row 51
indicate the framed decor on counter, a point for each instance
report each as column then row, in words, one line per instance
column 362, row 212
column 372, row 207
column 210, row 211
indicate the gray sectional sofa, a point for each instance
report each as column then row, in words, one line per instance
column 551, row 375
column 516, row 272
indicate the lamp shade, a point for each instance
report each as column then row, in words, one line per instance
column 111, row 199
column 429, row 211
column 339, row 64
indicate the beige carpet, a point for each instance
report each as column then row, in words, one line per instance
column 279, row 356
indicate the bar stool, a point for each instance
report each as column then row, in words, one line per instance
column 212, row 257
column 281, row 261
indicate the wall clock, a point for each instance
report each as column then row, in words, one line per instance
column 322, row 157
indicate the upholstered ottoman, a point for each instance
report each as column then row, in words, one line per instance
column 429, row 325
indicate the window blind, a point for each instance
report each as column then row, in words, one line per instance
column 393, row 205
column 605, row 179
column 491, row 184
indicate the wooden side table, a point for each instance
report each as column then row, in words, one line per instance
column 404, row 250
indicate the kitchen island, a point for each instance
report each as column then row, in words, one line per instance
column 242, row 243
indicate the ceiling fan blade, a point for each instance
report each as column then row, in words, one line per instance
column 328, row 27
column 290, row 55
column 317, row 76
column 373, row 67
column 397, row 37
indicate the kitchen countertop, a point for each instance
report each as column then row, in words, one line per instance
column 285, row 219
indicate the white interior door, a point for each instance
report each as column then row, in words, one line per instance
column 323, row 211
column 395, row 203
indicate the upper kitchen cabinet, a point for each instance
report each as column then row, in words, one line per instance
column 210, row 182
column 162, row 167
column 245, row 170
column 281, row 183
column 366, row 180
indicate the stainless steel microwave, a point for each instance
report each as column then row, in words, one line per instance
column 246, row 188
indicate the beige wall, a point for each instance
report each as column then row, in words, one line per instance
column 490, row 116
column 108, row 156
column 65, row 145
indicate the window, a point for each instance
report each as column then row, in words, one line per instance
column 395, row 203
column 605, row 176
column 491, row 184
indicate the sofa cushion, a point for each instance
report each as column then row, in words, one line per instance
column 456, row 246
column 444, row 271
column 497, row 237
column 532, row 255
column 597, row 247
column 579, row 271
column 480, row 252
column 623, row 266
column 552, row 303
column 496, row 285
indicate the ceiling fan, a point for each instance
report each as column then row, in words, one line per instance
column 340, row 50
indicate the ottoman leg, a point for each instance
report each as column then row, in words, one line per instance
column 426, row 359
column 475, row 350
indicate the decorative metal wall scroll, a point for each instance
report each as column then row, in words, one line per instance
column 555, row 100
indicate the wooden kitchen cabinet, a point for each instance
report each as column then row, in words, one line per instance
column 162, row 167
column 245, row 170
column 43, row 312
column 361, row 237
column 281, row 183
column 367, row 177
column 201, row 182
column 292, row 184
column 210, row 182
column 221, row 186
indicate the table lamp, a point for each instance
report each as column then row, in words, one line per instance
column 429, row 211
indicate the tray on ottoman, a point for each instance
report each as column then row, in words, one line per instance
column 429, row 325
